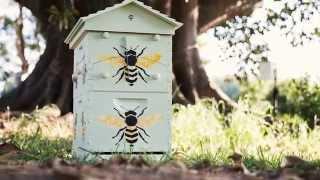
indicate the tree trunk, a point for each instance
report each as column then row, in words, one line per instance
column 50, row 81
column 188, row 69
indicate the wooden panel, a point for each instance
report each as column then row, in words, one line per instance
column 104, row 58
column 103, row 121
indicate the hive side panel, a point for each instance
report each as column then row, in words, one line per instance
column 170, row 91
column 79, row 95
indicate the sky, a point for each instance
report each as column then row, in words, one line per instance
column 290, row 62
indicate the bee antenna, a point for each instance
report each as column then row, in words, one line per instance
column 124, row 48
column 136, row 108
column 124, row 108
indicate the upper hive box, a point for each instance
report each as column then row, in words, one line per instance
column 122, row 80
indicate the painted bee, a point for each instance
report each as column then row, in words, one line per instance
column 130, row 125
column 131, row 64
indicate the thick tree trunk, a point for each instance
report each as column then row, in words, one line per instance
column 188, row 69
column 50, row 81
column 184, row 50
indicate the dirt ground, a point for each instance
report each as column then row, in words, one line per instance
column 138, row 169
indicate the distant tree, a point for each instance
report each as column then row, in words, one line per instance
column 50, row 81
column 241, row 38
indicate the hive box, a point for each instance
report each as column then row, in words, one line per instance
column 122, row 80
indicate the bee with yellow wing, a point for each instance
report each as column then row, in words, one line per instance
column 131, row 64
column 131, row 125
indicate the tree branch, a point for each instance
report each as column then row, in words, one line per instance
column 223, row 10
column 20, row 43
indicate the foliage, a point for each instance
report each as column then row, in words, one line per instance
column 299, row 97
column 243, row 40
column 295, row 98
column 254, row 92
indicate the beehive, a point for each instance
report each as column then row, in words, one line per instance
column 122, row 80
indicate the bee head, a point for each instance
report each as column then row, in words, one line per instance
column 130, row 53
column 130, row 113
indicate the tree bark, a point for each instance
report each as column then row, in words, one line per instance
column 185, row 53
column 20, row 44
column 187, row 67
column 50, row 81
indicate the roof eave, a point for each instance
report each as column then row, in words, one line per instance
column 162, row 16
column 74, row 31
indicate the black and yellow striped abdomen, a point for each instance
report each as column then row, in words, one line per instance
column 131, row 134
column 131, row 74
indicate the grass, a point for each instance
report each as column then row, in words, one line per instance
column 202, row 136
column 42, row 149
column 201, row 133
column 41, row 135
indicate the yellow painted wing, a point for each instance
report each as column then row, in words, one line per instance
column 150, row 120
column 148, row 61
column 115, row 61
column 112, row 121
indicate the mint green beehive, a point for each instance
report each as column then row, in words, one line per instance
column 122, row 80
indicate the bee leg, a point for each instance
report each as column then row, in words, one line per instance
column 120, row 139
column 143, row 131
column 119, row 53
column 120, row 130
column 141, row 52
column 119, row 70
column 144, row 71
column 143, row 138
column 122, row 75
column 142, row 77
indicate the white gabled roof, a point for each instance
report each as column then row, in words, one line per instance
column 78, row 26
column 126, row 2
